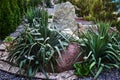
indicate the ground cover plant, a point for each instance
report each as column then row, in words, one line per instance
column 37, row 46
column 101, row 49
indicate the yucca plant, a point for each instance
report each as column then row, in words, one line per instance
column 37, row 46
column 33, row 13
column 102, row 49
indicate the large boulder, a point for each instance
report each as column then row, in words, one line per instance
column 64, row 18
column 69, row 57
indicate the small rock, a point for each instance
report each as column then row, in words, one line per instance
column 2, row 47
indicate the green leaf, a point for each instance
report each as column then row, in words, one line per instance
column 92, row 65
column 22, row 63
column 59, row 53
column 30, row 73
column 99, row 71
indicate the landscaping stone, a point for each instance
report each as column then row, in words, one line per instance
column 50, row 11
column 17, row 32
column 64, row 18
column 2, row 47
column 69, row 57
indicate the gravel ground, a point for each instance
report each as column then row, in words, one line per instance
column 106, row 75
column 9, row 76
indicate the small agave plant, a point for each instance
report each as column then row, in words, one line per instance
column 37, row 46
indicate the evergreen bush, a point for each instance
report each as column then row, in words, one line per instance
column 9, row 17
column 10, row 13
column 16, row 12
column 102, row 10
column 82, row 7
column 22, row 5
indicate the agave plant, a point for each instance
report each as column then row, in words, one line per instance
column 37, row 46
column 102, row 49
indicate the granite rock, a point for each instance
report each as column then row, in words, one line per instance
column 64, row 18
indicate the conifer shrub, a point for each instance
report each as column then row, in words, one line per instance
column 22, row 5
column 102, row 10
column 9, row 17
column 16, row 12
column 82, row 7
column 11, row 12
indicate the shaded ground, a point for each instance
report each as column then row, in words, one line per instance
column 106, row 75
column 9, row 76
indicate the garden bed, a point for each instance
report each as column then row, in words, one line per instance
column 10, row 73
column 6, row 73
